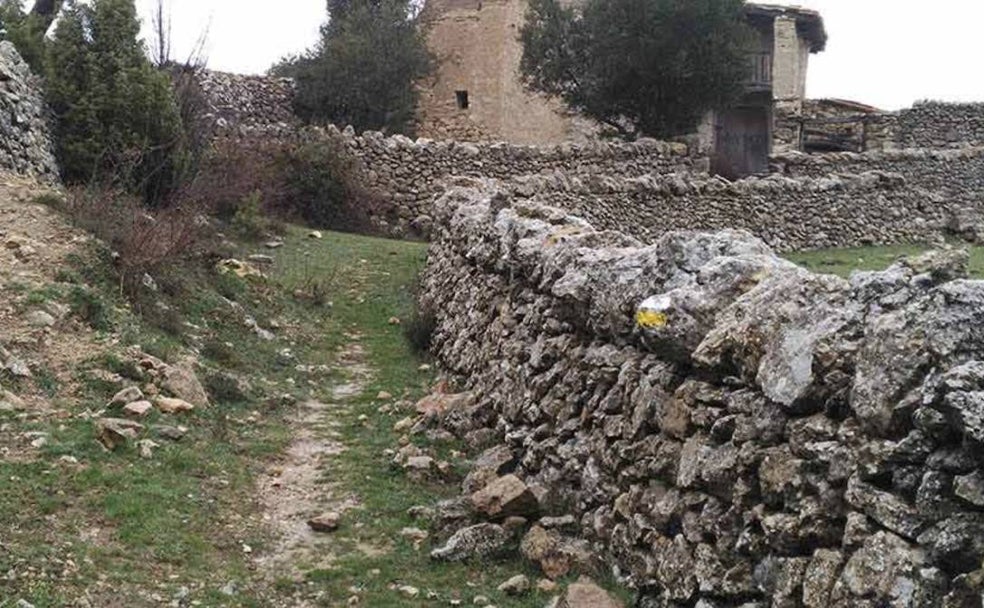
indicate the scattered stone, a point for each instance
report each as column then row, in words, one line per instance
column 480, row 600
column 170, row 405
column 403, row 425
column 19, row 369
column 147, row 447
column 326, row 522
column 415, row 535
column 394, row 321
column 181, row 381
column 505, row 497
column 273, row 244
column 586, row 594
column 10, row 402
column 545, row 585
column 478, row 541
column 239, row 268
column 517, row 585
column 113, row 433
column 39, row 318
column 127, row 395
column 408, row 591
column 315, row 234
column 384, row 396
column 421, row 512
column 138, row 409
column 174, row 433
column 419, row 464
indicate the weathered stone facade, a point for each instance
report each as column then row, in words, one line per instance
column 757, row 435
column 476, row 93
column 27, row 145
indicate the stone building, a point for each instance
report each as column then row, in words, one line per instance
column 477, row 94
column 767, row 120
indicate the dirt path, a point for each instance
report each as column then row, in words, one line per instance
column 296, row 489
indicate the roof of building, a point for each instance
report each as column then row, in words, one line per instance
column 809, row 23
column 847, row 104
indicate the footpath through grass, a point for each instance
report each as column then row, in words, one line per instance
column 184, row 527
column 377, row 278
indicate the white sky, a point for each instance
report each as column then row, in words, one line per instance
column 888, row 53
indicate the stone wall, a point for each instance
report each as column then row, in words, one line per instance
column 933, row 124
column 848, row 210
column 755, row 435
column 26, row 147
column 949, row 175
column 409, row 174
column 241, row 102
column 926, row 125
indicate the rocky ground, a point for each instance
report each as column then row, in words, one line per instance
column 262, row 443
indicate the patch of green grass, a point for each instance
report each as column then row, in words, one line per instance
column 42, row 295
column 843, row 262
column 89, row 306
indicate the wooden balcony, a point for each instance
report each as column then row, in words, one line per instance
column 760, row 76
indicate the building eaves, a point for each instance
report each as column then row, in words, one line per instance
column 809, row 23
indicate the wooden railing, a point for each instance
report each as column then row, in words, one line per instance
column 760, row 76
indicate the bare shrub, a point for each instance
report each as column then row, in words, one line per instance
column 325, row 185
column 235, row 170
column 311, row 178
column 143, row 243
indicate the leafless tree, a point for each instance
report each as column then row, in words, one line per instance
column 161, row 23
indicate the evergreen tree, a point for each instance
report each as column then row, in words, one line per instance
column 115, row 115
column 364, row 69
column 643, row 67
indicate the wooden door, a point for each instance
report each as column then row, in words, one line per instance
column 742, row 142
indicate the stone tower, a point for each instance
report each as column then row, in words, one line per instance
column 476, row 93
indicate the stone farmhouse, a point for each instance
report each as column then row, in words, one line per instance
column 477, row 93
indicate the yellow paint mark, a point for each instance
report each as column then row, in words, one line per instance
column 558, row 235
column 650, row 319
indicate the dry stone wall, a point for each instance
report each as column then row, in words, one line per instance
column 727, row 429
column 26, row 146
column 409, row 174
column 934, row 124
column 874, row 207
column 245, row 103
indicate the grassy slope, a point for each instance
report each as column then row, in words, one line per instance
column 128, row 531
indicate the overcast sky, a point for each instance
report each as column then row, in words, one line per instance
column 887, row 53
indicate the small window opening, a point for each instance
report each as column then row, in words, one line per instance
column 462, row 97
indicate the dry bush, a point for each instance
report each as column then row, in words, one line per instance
column 143, row 243
column 233, row 171
column 311, row 178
